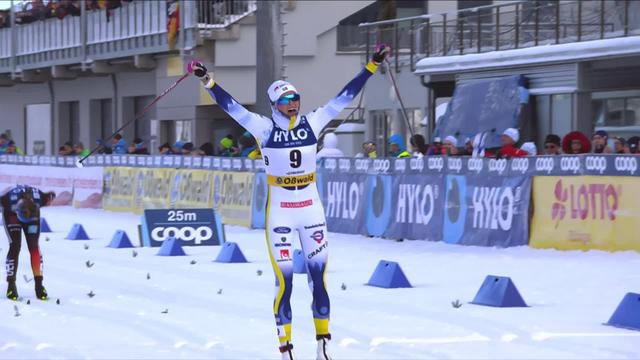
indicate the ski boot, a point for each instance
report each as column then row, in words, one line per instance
column 41, row 292
column 323, row 347
column 12, row 291
column 287, row 351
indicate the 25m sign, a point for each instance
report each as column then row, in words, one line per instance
column 191, row 226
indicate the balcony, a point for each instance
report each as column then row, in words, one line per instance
column 136, row 28
column 512, row 25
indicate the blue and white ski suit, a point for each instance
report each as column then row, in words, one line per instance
column 289, row 147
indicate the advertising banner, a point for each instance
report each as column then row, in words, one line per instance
column 194, row 227
column 87, row 187
column 120, row 184
column 44, row 178
column 586, row 212
column 156, row 187
column 195, row 189
column 416, row 201
column 486, row 211
column 259, row 207
column 232, row 196
column 343, row 198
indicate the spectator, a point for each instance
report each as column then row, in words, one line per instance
column 227, row 148
column 530, row 148
column 552, row 145
column 138, row 147
column 620, row 145
column 205, row 149
column 78, row 149
column 255, row 154
column 436, row 148
column 633, row 144
column 368, row 150
column 187, row 148
column 329, row 147
column 247, row 144
column 4, row 143
column 165, row 149
column 467, row 150
column 508, row 150
column 118, row 145
column 599, row 142
column 419, row 146
column 66, row 149
column 450, row 147
column 103, row 149
column 397, row 147
column 576, row 142
column 13, row 149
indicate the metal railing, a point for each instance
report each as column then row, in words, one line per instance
column 512, row 25
column 138, row 27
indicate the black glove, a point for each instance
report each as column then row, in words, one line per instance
column 197, row 68
column 380, row 53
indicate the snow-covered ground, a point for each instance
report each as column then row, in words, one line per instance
column 224, row 311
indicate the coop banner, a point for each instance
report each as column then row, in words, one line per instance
column 486, row 210
column 586, row 212
column 120, row 184
column 232, row 196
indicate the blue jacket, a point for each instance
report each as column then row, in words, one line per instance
column 120, row 147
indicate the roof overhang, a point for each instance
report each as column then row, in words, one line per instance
column 546, row 54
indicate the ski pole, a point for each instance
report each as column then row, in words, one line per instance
column 138, row 116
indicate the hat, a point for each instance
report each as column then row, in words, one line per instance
column 452, row 140
column 600, row 133
column 226, row 142
column 279, row 87
column 552, row 139
column 188, row 146
column 621, row 139
column 530, row 148
column 437, row 139
column 179, row 144
column 513, row 133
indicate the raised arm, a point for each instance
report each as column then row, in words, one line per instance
column 257, row 125
column 319, row 118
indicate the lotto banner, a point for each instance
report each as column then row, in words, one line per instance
column 232, row 196
column 156, row 188
column 194, row 189
column 120, row 184
column 586, row 212
column 87, row 187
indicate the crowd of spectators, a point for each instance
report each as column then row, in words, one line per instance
column 574, row 142
column 35, row 10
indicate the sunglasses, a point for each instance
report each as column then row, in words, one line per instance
column 285, row 100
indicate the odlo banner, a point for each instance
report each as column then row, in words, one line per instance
column 586, row 212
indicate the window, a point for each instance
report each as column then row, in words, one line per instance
column 616, row 111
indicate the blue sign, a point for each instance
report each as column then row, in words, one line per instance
column 191, row 226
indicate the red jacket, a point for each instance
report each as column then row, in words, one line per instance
column 509, row 151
